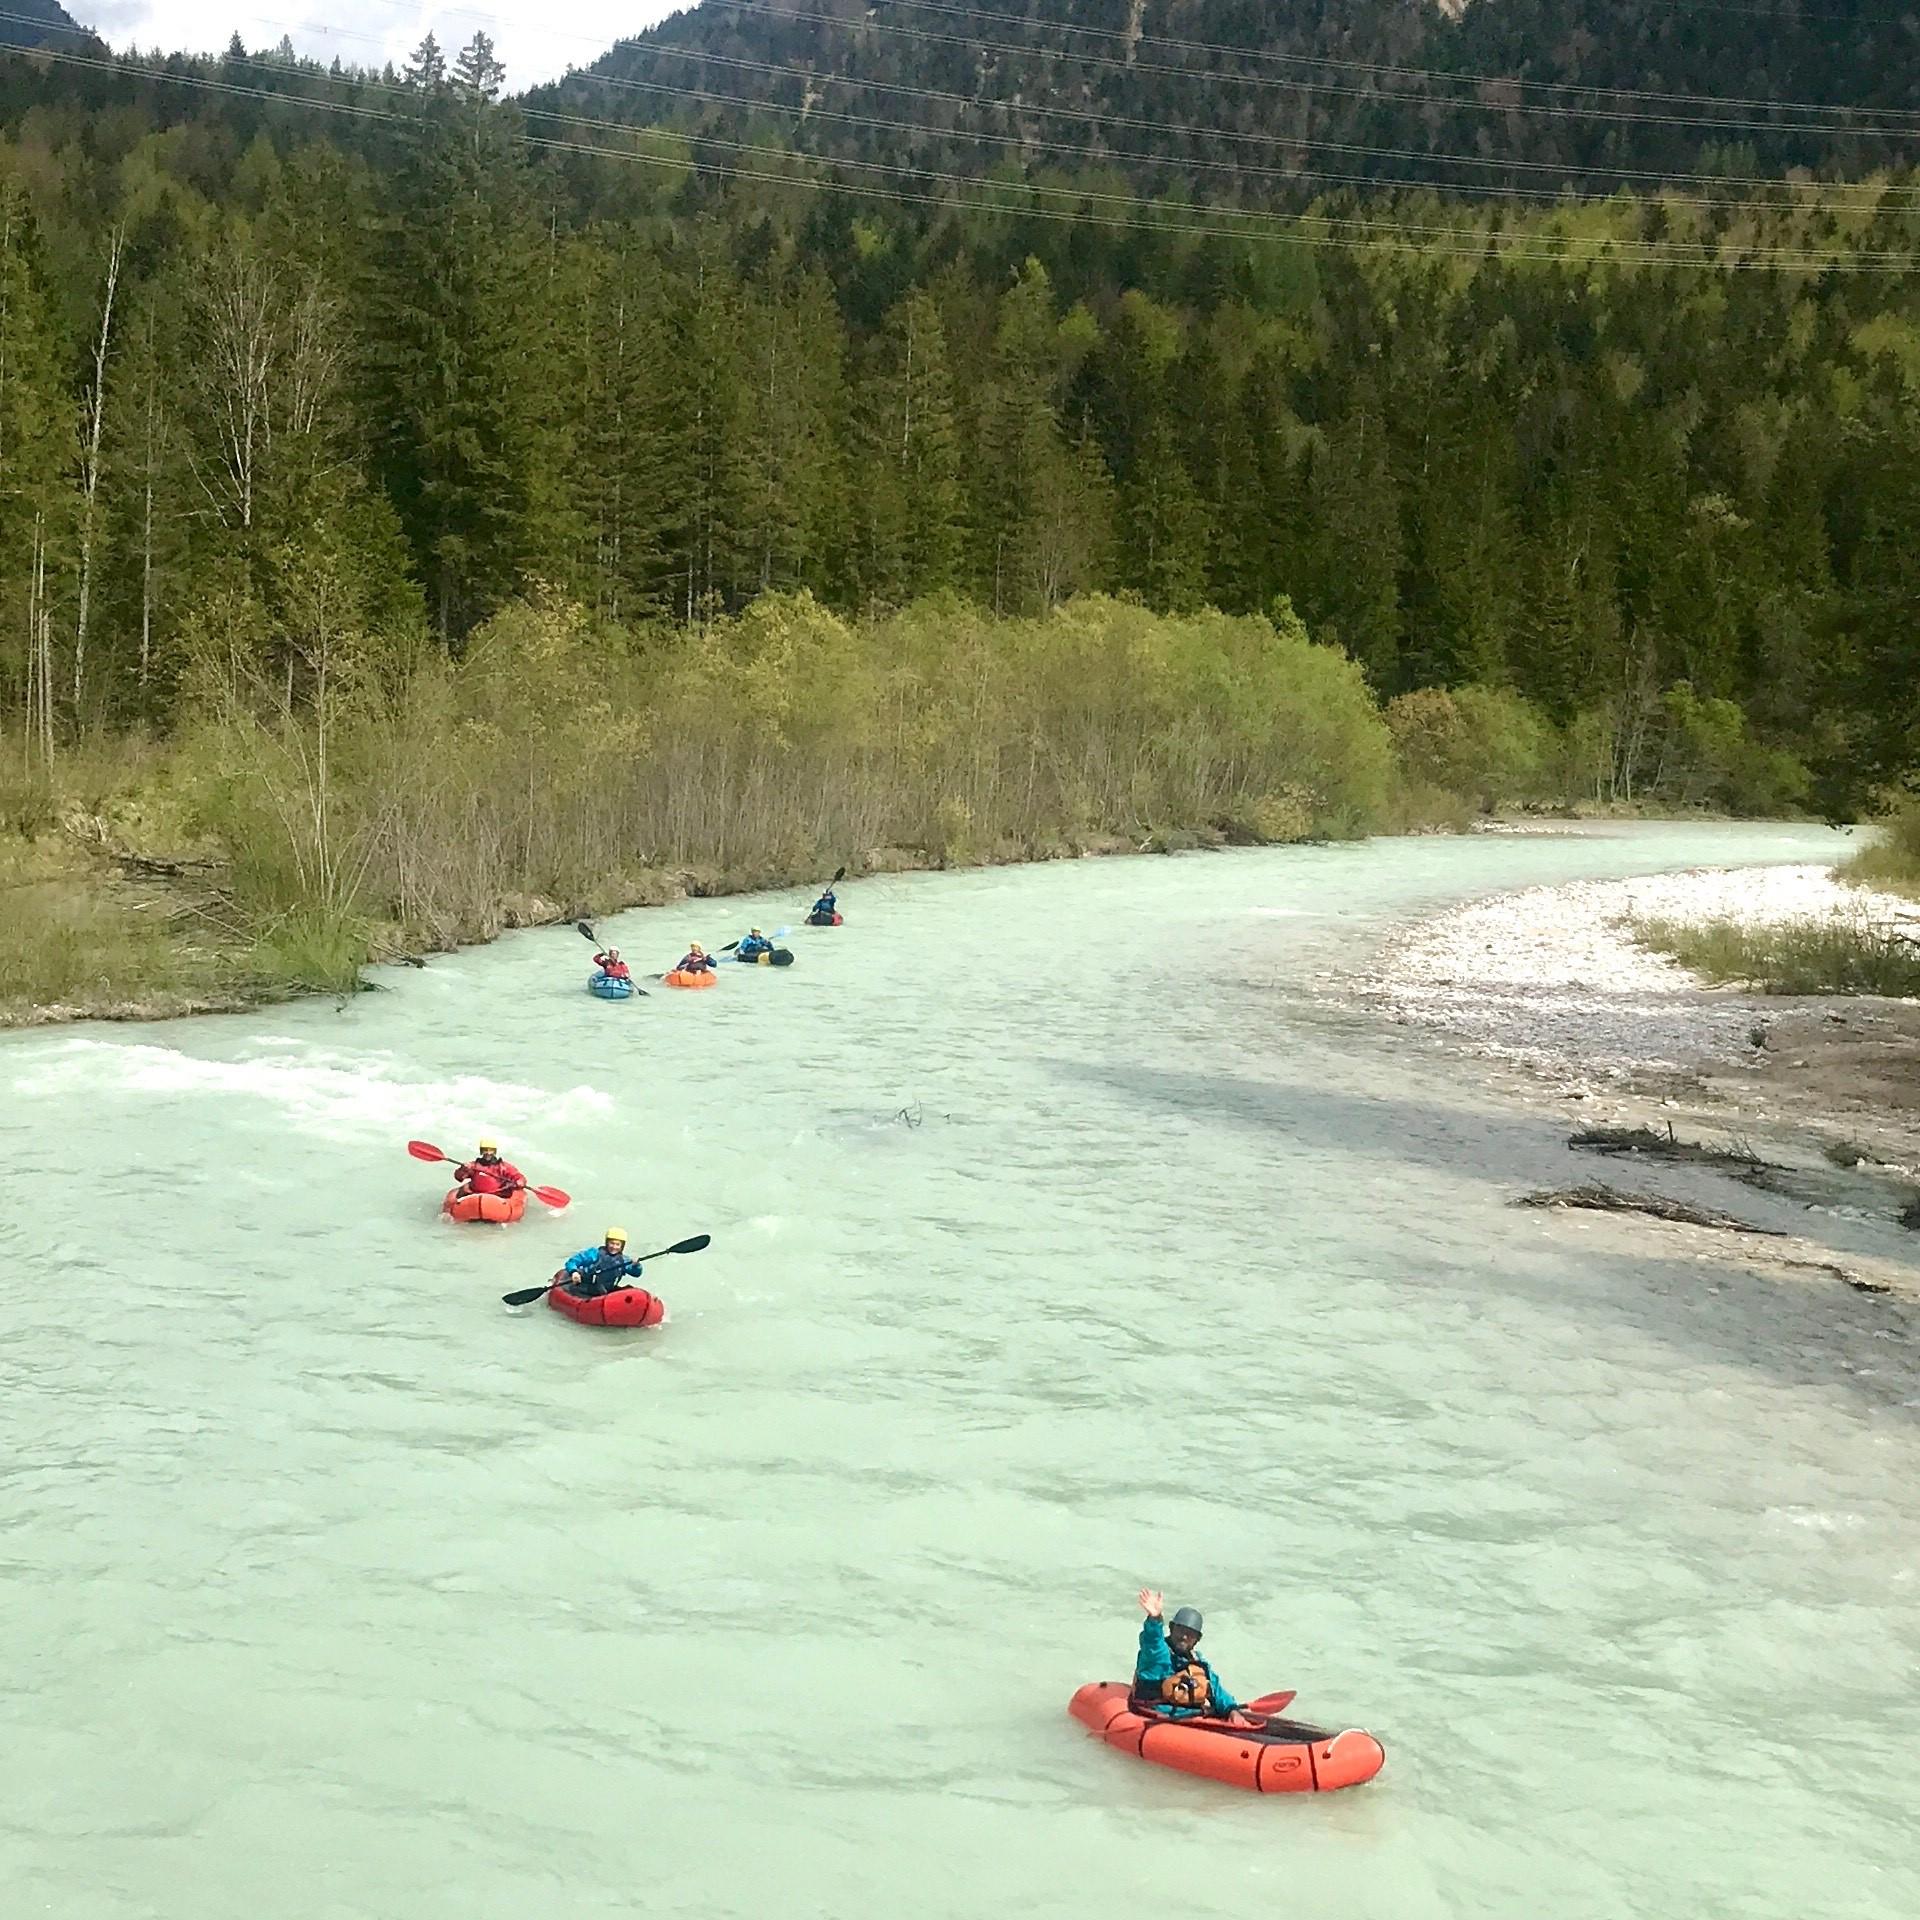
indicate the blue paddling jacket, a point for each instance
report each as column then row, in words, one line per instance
column 750, row 948
column 1157, row 1663
column 600, row 1270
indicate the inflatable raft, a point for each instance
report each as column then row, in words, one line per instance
column 826, row 919
column 603, row 986
column 624, row 1307
column 1278, row 1756
column 678, row 979
column 779, row 957
column 499, row 1209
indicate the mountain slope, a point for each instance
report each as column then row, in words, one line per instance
column 31, row 23
column 1238, row 99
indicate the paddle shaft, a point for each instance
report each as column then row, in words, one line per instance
column 555, row 1197
column 531, row 1294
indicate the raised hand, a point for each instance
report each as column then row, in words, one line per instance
column 1151, row 1603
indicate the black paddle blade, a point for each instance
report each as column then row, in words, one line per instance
column 526, row 1297
column 729, row 947
column 839, row 875
column 699, row 1241
column 581, row 927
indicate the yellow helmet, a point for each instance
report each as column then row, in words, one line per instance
column 615, row 1234
column 489, row 1146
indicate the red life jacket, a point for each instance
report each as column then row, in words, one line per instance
column 497, row 1176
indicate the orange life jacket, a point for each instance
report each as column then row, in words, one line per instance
column 1186, row 1687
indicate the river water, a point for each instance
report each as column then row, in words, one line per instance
column 1062, row 1242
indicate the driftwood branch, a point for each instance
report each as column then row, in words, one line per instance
column 1655, row 1145
column 139, row 863
column 1599, row 1199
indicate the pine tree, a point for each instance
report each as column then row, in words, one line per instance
column 426, row 69
column 468, row 456
column 1164, row 525
column 478, row 75
column 787, row 480
column 36, row 447
column 911, row 505
column 1024, row 478
column 1350, row 577
column 149, row 510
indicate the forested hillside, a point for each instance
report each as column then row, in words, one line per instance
column 270, row 332
column 30, row 23
column 1237, row 98
column 287, row 355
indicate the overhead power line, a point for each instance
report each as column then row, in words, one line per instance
column 766, row 9
column 1099, row 121
column 1804, row 193
column 1830, row 194
column 1319, row 87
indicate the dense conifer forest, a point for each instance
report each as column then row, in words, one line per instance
column 1557, row 365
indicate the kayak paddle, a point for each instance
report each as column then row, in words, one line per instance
column 527, row 1297
column 550, row 1196
column 1271, row 1702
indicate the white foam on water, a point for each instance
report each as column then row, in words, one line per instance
column 323, row 1088
column 1816, row 1521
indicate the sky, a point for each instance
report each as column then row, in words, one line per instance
column 535, row 43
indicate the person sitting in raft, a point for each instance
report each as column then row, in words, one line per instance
column 698, row 960
column 1170, row 1679
column 486, row 1172
column 611, row 966
column 824, row 908
column 601, row 1269
column 754, row 945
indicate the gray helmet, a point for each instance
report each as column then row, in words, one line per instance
column 1188, row 1617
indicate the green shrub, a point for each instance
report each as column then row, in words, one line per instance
column 313, row 949
column 1483, row 747
column 1710, row 757
column 1892, row 859
column 420, row 795
column 1846, row 954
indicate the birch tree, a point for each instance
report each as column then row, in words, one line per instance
column 93, row 422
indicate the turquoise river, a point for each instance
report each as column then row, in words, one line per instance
column 1068, row 1236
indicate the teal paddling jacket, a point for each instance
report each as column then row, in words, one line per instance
column 1156, row 1662
column 598, row 1264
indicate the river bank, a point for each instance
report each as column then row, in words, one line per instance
column 1817, row 1098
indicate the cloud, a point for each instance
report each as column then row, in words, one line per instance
column 368, row 33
